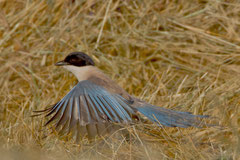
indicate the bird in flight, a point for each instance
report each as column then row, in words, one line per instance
column 96, row 103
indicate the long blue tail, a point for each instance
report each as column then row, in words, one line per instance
column 171, row 118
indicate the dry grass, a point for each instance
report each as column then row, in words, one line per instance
column 183, row 55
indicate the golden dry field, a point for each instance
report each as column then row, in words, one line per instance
column 178, row 54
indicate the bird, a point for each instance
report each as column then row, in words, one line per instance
column 97, row 103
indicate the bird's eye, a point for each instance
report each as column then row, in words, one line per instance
column 73, row 60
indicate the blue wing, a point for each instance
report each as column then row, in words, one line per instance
column 88, row 104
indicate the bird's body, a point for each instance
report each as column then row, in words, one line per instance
column 96, row 104
column 96, row 76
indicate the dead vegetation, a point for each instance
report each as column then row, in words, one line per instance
column 183, row 55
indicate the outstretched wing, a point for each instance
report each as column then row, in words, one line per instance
column 89, row 104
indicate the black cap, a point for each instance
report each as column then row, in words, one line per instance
column 77, row 59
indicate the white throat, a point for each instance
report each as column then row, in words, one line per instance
column 81, row 73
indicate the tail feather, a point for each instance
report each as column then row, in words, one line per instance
column 171, row 118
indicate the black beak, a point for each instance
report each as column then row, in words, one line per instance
column 61, row 63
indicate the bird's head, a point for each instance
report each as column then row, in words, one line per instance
column 79, row 63
column 77, row 59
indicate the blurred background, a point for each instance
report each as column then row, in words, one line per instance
column 178, row 54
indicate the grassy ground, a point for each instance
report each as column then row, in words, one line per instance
column 183, row 55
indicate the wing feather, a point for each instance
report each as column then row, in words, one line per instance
column 97, row 106
column 101, row 106
column 118, row 103
column 73, row 115
column 58, row 112
column 85, row 111
column 109, row 108
column 90, row 109
column 94, row 112
column 65, row 113
column 54, row 108
column 116, row 108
